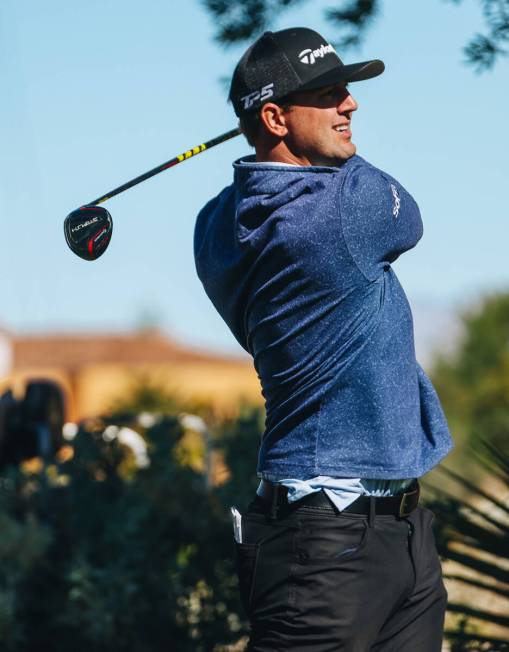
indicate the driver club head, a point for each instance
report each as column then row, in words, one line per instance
column 88, row 231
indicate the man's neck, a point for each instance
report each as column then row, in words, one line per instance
column 283, row 160
column 279, row 153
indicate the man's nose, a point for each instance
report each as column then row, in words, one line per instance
column 348, row 104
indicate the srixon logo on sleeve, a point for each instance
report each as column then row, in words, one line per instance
column 309, row 56
column 258, row 96
column 397, row 201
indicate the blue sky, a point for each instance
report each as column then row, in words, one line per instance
column 97, row 92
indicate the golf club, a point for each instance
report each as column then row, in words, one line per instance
column 88, row 229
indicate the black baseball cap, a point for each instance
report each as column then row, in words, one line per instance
column 295, row 59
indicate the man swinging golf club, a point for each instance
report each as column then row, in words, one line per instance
column 334, row 552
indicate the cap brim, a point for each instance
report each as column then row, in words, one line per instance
column 351, row 73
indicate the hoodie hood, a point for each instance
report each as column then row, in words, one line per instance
column 264, row 188
column 259, row 178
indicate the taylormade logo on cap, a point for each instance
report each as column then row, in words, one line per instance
column 309, row 56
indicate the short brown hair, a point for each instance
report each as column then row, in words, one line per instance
column 250, row 126
column 250, row 123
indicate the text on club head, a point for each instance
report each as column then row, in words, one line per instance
column 78, row 227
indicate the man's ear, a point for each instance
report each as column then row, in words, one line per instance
column 273, row 120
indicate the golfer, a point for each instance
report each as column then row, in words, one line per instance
column 334, row 552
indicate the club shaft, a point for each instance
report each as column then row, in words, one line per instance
column 168, row 164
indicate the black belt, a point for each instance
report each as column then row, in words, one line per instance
column 400, row 505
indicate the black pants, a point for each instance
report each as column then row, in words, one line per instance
column 315, row 580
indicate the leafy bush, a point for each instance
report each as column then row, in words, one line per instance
column 94, row 558
column 473, row 383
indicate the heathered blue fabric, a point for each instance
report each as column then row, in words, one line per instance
column 297, row 261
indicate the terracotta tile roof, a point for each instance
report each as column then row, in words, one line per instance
column 72, row 350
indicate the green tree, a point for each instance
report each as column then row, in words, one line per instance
column 241, row 20
column 473, row 383
column 97, row 559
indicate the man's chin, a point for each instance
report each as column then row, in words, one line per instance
column 344, row 154
column 348, row 151
column 337, row 159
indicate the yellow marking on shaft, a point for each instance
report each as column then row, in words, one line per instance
column 191, row 152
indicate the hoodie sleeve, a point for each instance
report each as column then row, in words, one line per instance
column 380, row 219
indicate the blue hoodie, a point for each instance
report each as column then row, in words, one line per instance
column 297, row 261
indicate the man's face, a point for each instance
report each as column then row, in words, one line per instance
column 318, row 124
